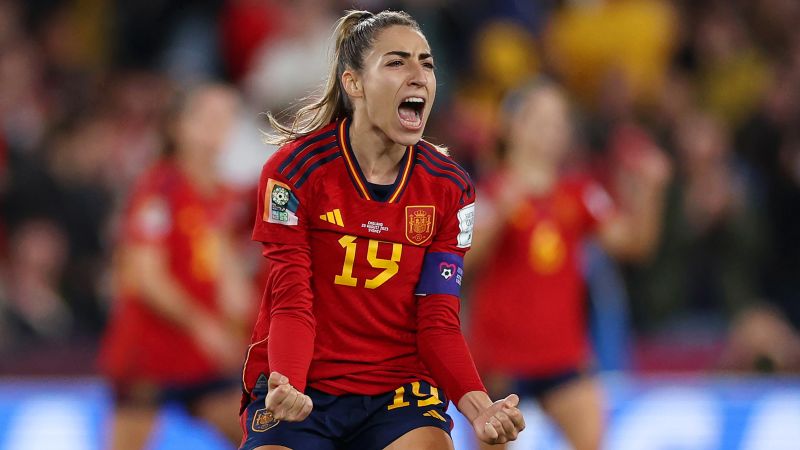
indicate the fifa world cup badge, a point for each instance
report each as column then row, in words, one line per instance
column 280, row 204
column 419, row 223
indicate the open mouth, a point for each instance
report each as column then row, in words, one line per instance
column 410, row 112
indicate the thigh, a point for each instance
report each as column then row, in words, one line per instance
column 136, row 408
column 408, row 418
column 132, row 426
column 577, row 408
column 425, row 438
column 219, row 409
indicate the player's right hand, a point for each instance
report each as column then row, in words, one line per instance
column 285, row 402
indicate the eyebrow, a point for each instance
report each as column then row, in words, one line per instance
column 403, row 54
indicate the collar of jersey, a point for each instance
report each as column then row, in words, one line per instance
column 358, row 178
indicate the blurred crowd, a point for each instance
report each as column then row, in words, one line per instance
column 86, row 85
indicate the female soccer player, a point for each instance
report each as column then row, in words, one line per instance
column 528, row 331
column 183, row 299
column 358, row 342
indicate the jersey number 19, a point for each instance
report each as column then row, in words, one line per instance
column 389, row 266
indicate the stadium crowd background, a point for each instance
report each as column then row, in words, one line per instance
column 85, row 86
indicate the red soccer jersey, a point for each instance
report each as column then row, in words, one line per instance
column 166, row 210
column 528, row 314
column 370, row 261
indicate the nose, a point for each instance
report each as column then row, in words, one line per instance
column 418, row 76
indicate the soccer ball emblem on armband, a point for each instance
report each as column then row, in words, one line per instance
column 446, row 270
column 280, row 196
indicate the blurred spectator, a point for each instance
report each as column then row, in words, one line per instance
column 773, row 22
column 22, row 107
column 159, row 35
column 770, row 143
column 588, row 40
column 732, row 73
column 32, row 307
column 706, row 270
column 67, row 184
column 760, row 340
column 291, row 66
column 248, row 25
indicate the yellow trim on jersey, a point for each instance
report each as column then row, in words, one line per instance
column 350, row 165
column 406, row 173
column 355, row 174
column 246, row 360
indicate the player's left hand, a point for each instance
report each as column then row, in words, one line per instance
column 501, row 422
column 285, row 402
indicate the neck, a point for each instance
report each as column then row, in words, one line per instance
column 537, row 176
column 378, row 156
column 201, row 174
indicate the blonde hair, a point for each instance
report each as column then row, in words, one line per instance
column 355, row 33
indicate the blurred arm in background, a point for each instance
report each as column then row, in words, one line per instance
column 632, row 234
column 167, row 298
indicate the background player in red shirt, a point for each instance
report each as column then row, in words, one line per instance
column 365, row 227
column 528, row 330
column 182, row 298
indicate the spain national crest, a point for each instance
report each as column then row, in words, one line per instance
column 419, row 223
column 263, row 421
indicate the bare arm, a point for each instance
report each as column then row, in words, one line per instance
column 633, row 234
column 235, row 292
column 145, row 269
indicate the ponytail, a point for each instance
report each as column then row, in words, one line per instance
column 354, row 34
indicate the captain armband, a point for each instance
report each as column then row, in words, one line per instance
column 441, row 274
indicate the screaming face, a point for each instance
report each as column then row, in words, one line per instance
column 398, row 84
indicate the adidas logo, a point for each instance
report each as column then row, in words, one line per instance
column 334, row 217
column 434, row 413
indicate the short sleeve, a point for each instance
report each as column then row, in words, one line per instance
column 455, row 234
column 280, row 216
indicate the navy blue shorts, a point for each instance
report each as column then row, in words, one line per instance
column 356, row 422
column 537, row 387
column 139, row 393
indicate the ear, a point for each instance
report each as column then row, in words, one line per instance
column 352, row 84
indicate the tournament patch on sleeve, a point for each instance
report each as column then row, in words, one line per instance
column 466, row 221
column 280, row 204
column 441, row 274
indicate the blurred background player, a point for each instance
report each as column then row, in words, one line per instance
column 180, row 316
column 528, row 314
